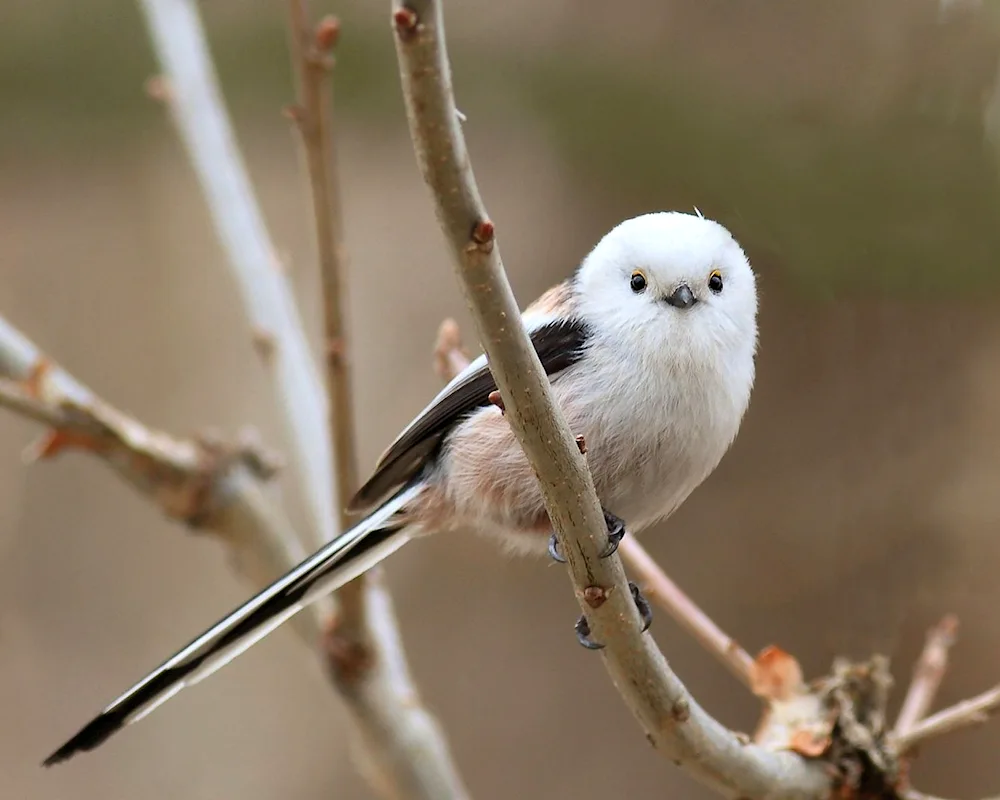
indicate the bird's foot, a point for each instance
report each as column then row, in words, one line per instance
column 616, row 532
column 641, row 603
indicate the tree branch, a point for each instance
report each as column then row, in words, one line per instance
column 674, row 722
column 450, row 359
column 973, row 711
column 205, row 484
column 662, row 590
column 312, row 60
column 198, row 111
column 927, row 674
column 402, row 743
column 403, row 752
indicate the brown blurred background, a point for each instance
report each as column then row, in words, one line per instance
column 849, row 147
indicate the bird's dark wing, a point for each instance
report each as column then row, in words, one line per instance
column 559, row 344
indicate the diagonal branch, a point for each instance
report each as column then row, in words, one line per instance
column 662, row 590
column 673, row 721
column 449, row 360
column 195, row 102
column 205, row 484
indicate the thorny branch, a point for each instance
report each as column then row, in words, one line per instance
column 674, row 722
column 403, row 752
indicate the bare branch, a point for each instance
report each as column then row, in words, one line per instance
column 207, row 485
column 974, row 711
column 660, row 589
column 312, row 59
column 402, row 752
column 927, row 674
column 450, row 359
column 198, row 111
column 674, row 722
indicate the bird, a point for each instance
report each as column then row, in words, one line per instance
column 649, row 346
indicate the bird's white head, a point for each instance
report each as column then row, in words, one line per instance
column 674, row 281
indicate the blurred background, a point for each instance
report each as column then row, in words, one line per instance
column 851, row 148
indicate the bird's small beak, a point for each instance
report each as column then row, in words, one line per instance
column 682, row 297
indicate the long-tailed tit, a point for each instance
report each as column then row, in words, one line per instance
column 650, row 349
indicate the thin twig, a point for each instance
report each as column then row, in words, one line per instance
column 403, row 752
column 450, row 359
column 660, row 589
column 927, row 674
column 974, row 711
column 206, row 485
column 312, row 61
column 674, row 722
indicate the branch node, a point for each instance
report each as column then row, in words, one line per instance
column 158, row 88
column 483, row 236
column 349, row 660
column 33, row 382
column 264, row 344
column 327, row 33
column 405, row 21
column 335, row 352
column 681, row 710
column 294, row 113
column 595, row 596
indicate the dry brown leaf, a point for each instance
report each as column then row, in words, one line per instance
column 796, row 718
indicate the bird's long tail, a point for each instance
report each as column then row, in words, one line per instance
column 329, row 568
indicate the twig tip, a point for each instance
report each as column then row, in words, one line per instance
column 405, row 21
column 327, row 33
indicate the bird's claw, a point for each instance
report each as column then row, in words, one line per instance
column 641, row 603
column 616, row 532
column 554, row 553
column 582, row 627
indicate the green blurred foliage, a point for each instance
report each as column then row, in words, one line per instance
column 903, row 200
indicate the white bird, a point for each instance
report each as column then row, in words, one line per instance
column 649, row 347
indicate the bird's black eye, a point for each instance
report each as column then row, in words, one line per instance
column 637, row 282
column 715, row 281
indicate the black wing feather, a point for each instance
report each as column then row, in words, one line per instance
column 559, row 344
